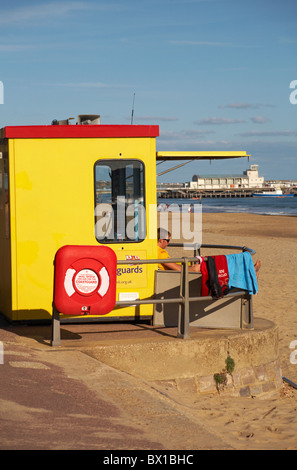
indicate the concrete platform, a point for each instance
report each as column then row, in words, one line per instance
column 155, row 354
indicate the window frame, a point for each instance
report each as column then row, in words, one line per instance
column 106, row 162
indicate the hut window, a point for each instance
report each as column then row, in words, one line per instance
column 119, row 201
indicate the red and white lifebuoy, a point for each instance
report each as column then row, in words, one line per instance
column 85, row 280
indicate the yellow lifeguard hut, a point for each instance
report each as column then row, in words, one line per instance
column 78, row 185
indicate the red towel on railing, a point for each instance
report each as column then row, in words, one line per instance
column 215, row 276
column 204, row 280
column 223, row 273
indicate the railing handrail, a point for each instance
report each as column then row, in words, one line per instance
column 198, row 246
column 190, row 259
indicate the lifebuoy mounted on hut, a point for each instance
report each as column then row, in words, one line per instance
column 85, row 280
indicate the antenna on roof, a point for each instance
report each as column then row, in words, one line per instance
column 132, row 114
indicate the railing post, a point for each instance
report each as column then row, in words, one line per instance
column 184, row 313
column 247, row 317
column 56, row 332
column 250, row 311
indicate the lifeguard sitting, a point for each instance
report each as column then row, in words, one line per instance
column 163, row 242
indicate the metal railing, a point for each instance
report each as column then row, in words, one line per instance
column 183, row 328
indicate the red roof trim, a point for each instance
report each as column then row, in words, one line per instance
column 78, row 131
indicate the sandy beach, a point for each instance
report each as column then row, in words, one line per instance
column 252, row 423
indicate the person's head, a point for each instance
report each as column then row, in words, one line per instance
column 163, row 237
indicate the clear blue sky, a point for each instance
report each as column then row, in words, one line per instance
column 213, row 74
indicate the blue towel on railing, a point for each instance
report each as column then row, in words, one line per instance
column 242, row 272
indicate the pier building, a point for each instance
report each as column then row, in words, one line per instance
column 249, row 179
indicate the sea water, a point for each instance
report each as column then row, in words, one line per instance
column 250, row 205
